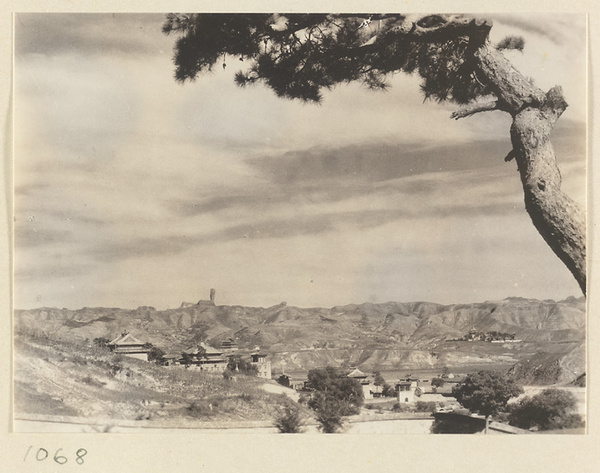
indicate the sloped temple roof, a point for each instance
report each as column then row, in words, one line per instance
column 356, row 373
column 208, row 350
column 126, row 339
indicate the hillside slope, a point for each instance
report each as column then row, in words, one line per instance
column 65, row 379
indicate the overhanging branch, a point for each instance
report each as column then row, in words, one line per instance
column 475, row 108
column 434, row 27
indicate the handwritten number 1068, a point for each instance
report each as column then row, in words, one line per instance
column 43, row 454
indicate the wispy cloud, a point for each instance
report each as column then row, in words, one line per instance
column 379, row 162
column 554, row 30
column 87, row 33
column 142, row 190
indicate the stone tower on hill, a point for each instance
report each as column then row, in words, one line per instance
column 209, row 302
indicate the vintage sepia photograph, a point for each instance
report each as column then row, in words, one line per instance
column 361, row 223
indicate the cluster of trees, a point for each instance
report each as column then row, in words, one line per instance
column 101, row 342
column 156, row 355
column 240, row 365
column 386, row 389
column 333, row 397
column 488, row 393
column 551, row 409
column 438, row 382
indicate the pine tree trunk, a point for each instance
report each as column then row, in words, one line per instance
column 560, row 221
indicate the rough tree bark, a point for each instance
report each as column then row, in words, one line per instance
column 560, row 221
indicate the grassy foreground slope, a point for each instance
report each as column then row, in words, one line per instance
column 58, row 378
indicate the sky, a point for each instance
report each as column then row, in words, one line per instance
column 131, row 189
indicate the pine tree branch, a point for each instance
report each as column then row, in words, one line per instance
column 434, row 27
column 475, row 108
column 508, row 84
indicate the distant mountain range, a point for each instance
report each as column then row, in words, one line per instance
column 388, row 336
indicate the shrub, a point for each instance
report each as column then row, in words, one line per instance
column 115, row 368
column 157, row 355
column 438, row 382
column 303, row 399
column 290, row 421
column 78, row 360
column 91, row 381
column 399, row 407
column 328, row 412
column 551, row 409
column 388, row 391
column 378, row 379
column 423, row 406
column 101, row 342
column 199, row 409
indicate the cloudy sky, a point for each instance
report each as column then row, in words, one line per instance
column 132, row 189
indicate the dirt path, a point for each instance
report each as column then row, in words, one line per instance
column 278, row 389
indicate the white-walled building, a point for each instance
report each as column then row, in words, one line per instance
column 262, row 364
column 408, row 390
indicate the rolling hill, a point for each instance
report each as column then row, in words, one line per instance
column 387, row 336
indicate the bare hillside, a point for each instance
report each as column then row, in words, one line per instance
column 67, row 379
column 387, row 336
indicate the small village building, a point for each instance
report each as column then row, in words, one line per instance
column 408, row 390
column 289, row 381
column 297, row 385
column 294, row 382
column 262, row 364
column 285, row 380
column 473, row 335
column 364, row 382
column 126, row 344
